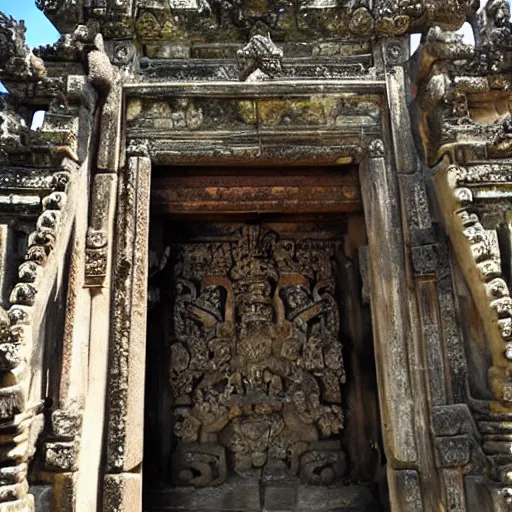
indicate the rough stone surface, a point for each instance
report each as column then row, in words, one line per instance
column 43, row 497
column 122, row 492
column 372, row 192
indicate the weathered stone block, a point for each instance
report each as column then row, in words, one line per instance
column 122, row 493
column 13, row 474
column 12, row 401
column 280, row 499
column 424, row 259
column 451, row 420
column 453, row 451
column 405, row 491
column 66, row 424
column 62, row 455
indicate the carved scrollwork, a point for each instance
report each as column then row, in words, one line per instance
column 122, row 53
column 361, row 22
column 200, row 464
column 38, row 254
column 60, row 180
column 48, row 219
column 322, row 463
column 96, row 239
column 55, row 201
column 27, row 271
column 24, row 294
column 19, row 315
column 44, row 237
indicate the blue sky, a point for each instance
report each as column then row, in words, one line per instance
column 39, row 28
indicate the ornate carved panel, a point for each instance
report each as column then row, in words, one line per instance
column 256, row 365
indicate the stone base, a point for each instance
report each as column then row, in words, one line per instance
column 253, row 494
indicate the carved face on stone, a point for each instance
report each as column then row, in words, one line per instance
column 212, row 296
column 297, row 297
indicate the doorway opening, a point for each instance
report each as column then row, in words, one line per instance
column 260, row 376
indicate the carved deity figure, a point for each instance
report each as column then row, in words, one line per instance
column 256, row 363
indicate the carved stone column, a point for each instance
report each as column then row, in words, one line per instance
column 392, row 331
column 122, row 484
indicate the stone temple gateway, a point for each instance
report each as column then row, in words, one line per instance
column 257, row 258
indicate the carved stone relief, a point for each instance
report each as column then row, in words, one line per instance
column 262, row 55
column 256, row 370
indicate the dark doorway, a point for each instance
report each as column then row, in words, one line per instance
column 260, row 380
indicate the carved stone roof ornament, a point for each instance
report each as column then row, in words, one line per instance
column 16, row 59
column 259, row 55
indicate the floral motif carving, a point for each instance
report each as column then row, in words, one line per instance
column 284, row 19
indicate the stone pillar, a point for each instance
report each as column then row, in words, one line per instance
column 391, row 324
column 128, row 339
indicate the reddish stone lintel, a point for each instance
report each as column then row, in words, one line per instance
column 287, row 192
